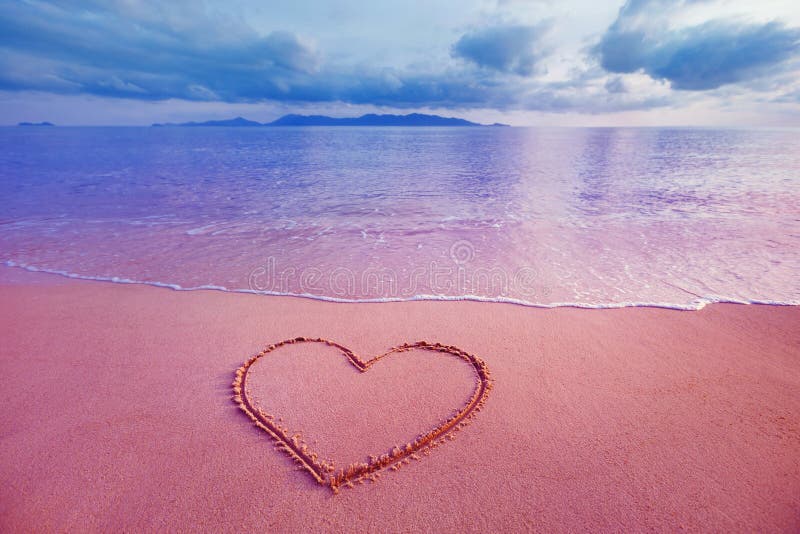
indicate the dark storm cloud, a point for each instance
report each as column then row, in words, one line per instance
column 707, row 56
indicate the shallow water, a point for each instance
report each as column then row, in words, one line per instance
column 590, row 217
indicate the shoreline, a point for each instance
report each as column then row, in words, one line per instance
column 117, row 413
column 694, row 306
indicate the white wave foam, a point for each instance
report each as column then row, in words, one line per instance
column 201, row 229
column 694, row 305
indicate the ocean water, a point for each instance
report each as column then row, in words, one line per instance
column 588, row 217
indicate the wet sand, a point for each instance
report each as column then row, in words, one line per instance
column 116, row 413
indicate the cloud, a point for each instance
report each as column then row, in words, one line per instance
column 616, row 85
column 790, row 97
column 696, row 58
column 512, row 49
column 97, row 49
column 209, row 51
column 148, row 51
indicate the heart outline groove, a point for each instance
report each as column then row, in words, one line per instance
column 324, row 472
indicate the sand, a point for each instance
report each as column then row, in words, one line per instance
column 116, row 414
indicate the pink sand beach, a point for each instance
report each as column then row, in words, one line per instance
column 117, row 414
column 488, row 266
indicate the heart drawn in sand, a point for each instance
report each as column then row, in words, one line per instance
column 324, row 472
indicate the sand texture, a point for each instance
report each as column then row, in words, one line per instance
column 117, row 412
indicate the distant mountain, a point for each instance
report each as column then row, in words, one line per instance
column 238, row 122
column 35, row 124
column 413, row 119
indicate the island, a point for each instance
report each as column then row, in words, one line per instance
column 35, row 124
column 371, row 119
column 237, row 122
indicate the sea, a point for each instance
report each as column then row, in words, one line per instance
column 587, row 217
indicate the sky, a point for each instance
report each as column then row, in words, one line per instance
column 521, row 62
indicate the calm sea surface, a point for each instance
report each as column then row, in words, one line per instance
column 593, row 217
